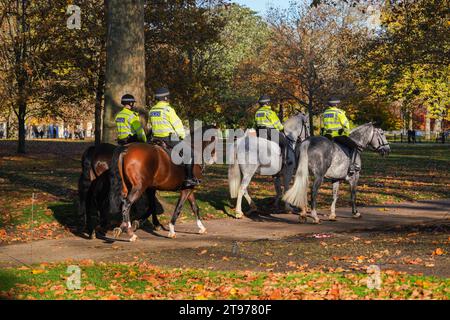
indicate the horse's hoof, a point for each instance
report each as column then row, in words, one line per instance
column 332, row 218
column 135, row 225
column 157, row 227
column 92, row 236
column 356, row 215
column 117, row 232
column 133, row 238
column 202, row 231
column 239, row 215
column 172, row 235
column 317, row 221
column 302, row 219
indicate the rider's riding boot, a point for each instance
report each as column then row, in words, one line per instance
column 190, row 181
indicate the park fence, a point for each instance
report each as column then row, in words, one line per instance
column 434, row 137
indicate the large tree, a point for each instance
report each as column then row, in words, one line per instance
column 26, row 44
column 125, row 59
column 310, row 51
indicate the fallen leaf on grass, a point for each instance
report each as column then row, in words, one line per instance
column 37, row 271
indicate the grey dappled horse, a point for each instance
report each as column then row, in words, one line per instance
column 253, row 154
column 324, row 158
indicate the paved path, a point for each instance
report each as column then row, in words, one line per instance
column 261, row 227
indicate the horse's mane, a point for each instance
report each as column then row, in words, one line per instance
column 295, row 118
column 361, row 127
column 356, row 133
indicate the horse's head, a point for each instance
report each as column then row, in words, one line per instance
column 378, row 142
column 296, row 128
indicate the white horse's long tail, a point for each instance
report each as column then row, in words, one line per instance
column 234, row 175
column 297, row 195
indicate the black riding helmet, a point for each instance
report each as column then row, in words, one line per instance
column 162, row 94
column 127, row 99
column 333, row 101
column 264, row 99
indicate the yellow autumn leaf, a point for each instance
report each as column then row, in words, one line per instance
column 37, row 271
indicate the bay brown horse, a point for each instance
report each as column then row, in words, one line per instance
column 140, row 168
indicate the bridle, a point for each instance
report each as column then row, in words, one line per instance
column 381, row 144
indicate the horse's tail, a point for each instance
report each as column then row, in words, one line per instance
column 118, row 186
column 234, row 175
column 297, row 194
column 84, row 181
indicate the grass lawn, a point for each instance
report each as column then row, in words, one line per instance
column 50, row 170
column 145, row 281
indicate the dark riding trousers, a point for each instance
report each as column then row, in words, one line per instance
column 129, row 139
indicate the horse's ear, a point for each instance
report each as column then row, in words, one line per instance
column 376, row 123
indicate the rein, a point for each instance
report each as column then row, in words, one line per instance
column 381, row 144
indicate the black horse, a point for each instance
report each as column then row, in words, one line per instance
column 95, row 161
column 98, row 209
column 93, row 191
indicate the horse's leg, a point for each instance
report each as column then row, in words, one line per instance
column 184, row 194
column 148, row 209
column 153, row 203
column 332, row 215
column 353, row 184
column 247, row 176
column 252, row 205
column 135, row 194
column 315, row 189
column 278, row 190
column 196, row 211
column 287, row 177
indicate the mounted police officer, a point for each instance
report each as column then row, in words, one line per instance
column 267, row 121
column 335, row 126
column 129, row 128
column 166, row 124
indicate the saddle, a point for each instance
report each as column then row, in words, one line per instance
column 163, row 145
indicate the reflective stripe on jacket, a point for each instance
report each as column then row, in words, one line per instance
column 165, row 121
column 266, row 117
column 128, row 124
column 333, row 120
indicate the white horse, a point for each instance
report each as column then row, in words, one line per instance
column 252, row 154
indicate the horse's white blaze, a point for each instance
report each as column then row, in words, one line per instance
column 297, row 195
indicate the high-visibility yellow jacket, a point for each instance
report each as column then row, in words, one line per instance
column 165, row 121
column 128, row 124
column 266, row 117
column 333, row 120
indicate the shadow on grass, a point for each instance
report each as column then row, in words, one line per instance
column 9, row 280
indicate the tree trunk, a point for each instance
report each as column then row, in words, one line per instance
column 410, row 119
column 281, row 112
column 310, row 116
column 125, row 59
column 98, row 106
column 427, row 125
column 21, row 121
column 437, row 125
